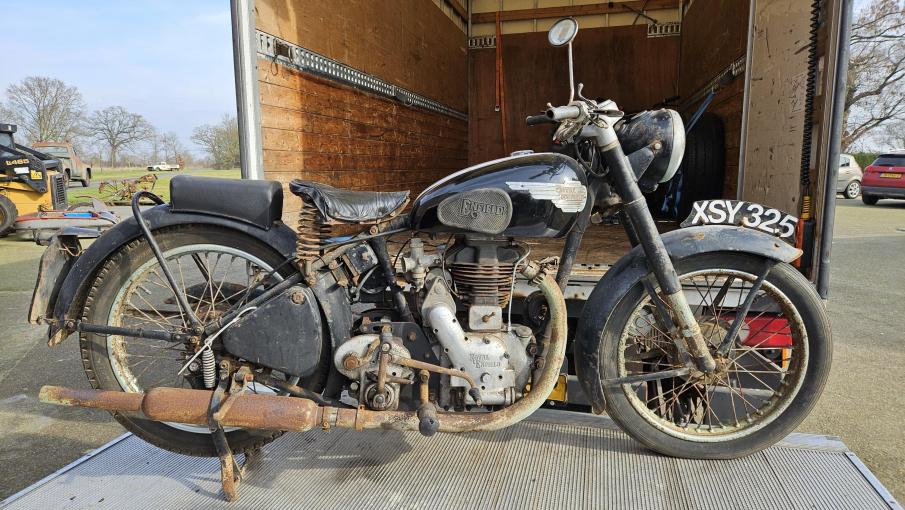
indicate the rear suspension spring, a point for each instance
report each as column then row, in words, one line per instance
column 312, row 234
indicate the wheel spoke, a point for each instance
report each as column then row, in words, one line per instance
column 748, row 384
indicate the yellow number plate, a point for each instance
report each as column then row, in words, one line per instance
column 36, row 175
column 890, row 175
column 559, row 391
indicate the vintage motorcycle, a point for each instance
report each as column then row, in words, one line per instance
column 208, row 327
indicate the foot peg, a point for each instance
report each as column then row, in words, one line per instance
column 428, row 421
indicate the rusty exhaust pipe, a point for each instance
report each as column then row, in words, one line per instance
column 273, row 412
column 177, row 405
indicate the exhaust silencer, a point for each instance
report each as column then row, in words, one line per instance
column 177, row 405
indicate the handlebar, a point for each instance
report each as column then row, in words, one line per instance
column 534, row 120
column 559, row 113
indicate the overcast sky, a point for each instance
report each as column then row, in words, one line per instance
column 168, row 60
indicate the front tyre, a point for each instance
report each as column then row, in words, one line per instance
column 8, row 215
column 852, row 190
column 766, row 385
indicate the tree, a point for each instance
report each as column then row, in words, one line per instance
column 45, row 109
column 894, row 135
column 876, row 90
column 220, row 141
column 118, row 129
column 172, row 147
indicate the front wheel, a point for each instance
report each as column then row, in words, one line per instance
column 8, row 214
column 852, row 190
column 766, row 385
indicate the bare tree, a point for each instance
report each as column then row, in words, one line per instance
column 172, row 147
column 894, row 135
column 220, row 141
column 876, row 89
column 117, row 129
column 44, row 109
column 155, row 143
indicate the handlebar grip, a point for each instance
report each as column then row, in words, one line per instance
column 534, row 120
column 563, row 113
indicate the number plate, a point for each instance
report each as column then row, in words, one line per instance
column 890, row 175
column 745, row 214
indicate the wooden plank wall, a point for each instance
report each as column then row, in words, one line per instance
column 776, row 111
column 410, row 43
column 619, row 63
column 318, row 130
column 715, row 34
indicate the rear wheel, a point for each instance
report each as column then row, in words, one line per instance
column 8, row 215
column 215, row 269
column 869, row 199
column 852, row 190
column 763, row 388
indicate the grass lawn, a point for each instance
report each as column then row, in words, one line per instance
column 77, row 193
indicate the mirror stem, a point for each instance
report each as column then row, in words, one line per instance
column 571, row 76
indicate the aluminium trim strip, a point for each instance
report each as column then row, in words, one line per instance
column 305, row 60
column 871, row 478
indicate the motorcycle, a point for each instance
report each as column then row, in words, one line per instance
column 208, row 327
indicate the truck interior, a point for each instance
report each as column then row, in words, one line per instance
column 393, row 96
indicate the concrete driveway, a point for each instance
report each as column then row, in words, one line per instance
column 862, row 403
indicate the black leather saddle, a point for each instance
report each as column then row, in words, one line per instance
column 257, row 202
column 347, row 205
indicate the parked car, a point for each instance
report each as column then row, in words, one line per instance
column 72, row 166
column 848, row 181
column 163, row 166
column 884, row 178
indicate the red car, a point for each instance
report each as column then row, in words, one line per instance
column 884, row 178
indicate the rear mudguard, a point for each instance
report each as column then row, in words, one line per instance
column 632, row 267
column 66, row 303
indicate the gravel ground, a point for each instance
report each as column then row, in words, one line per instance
column 862, row 403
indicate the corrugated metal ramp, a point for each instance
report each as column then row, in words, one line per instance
column 554, row 460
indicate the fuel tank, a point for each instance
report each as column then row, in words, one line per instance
column 531, row 195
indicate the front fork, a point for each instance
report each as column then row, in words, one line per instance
column 658, row 259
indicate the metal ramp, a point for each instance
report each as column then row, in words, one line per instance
column 556, row 459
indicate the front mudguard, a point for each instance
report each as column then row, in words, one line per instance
column 632, row 268
column 63, row 306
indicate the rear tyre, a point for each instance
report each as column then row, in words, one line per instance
column 8, row 215
column 85, row 183
column 869, row 199
column 852, row 190
column 764, row 393
column 129, row 291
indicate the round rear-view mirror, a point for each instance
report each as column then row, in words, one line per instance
column 562, row 32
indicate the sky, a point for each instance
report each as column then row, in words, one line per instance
column 168, row 60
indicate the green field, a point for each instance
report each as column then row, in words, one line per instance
column 77, row 193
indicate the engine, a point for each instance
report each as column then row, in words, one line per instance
column 462, row 295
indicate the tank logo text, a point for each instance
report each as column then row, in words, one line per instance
column 473, row 208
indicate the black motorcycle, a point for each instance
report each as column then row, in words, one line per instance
column 207, row 326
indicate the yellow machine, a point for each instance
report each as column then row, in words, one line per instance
column 29, row 181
